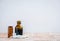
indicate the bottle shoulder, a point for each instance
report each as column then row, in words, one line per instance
column 18, row 26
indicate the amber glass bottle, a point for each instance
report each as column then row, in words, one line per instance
column 18, row 28
column 10, row 31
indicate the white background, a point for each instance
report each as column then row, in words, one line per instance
column 36, row 15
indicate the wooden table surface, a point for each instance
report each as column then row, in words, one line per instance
column 33, row 37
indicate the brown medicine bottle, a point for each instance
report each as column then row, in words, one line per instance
column 18, row 28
